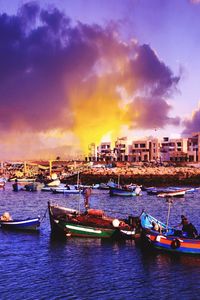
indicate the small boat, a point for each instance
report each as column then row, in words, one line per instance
column 20, row 224
column 66, row 190
column 18, row 186
column 54, row 183
column 2, row 185
column 175, row 193
column 92, row 223
column 125, row 192
column 48, row 187
column 24, row 179
column 31, row 187
column 168, row 239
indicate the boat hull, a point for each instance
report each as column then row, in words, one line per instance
column 28, row 224
column 121, row 192
column 84, row 225
column 173, row 244
column 65, row 191
column 168, row 239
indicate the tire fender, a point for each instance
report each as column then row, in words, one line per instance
column 175, row 244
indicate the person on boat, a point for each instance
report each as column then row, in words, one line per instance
column 87, row 192
column 188, row 228
column 156, row 227
column 6, row 217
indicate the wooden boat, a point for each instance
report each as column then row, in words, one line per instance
column 21, row 224
column 168, row 239
column 92, row 223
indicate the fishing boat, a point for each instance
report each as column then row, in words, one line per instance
column 29, row 224
column 125, row 192
column 93, row 223
column 167, row 239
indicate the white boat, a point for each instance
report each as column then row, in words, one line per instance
column 175, row 193
column 54, row 183
column 66, row 190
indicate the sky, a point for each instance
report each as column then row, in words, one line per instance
column 75, row 72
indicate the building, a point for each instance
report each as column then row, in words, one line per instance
column 144, row 150
column 104, row 152
column 194, row 147
column 148, row 150
column 120, row 151
column 92, row 152
column 175, row 150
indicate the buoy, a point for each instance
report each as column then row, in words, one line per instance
column 116, row 223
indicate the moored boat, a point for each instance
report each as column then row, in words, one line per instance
column 67, row 190
column 168, row 239
column 175, row 193
column 125, row 192
column 91, row 223
column 29, row 224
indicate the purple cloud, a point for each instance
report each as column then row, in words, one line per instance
column 192, row 125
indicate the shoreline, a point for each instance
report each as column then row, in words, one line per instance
column 148, row 176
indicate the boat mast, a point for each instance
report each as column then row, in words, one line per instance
column 168, row 214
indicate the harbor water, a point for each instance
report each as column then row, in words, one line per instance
column 35, row 266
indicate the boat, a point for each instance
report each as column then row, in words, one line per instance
column 18, row 186
column 31, row 187
column 54, row 183
column 22, row 179
column 92, row 223
column 66, row 190
column 175, row 193
column 2, row 185
column 168, row 239
column 48, row 187
column 29, row 224
column 125, row 192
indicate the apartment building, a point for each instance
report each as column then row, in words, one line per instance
column 92, row 152
column 120, row 151
column 144, row 150
column 174, row 149
column 151, row 149
column 194, row 147
column 104, row 152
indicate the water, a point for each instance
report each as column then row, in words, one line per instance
column 33, row 266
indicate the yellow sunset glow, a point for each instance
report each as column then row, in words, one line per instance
column 97, row 112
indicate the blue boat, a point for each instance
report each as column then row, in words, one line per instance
column 25, row 224
column 167, row 238
column 125, row 192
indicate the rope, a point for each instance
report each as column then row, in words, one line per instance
column 44, row 216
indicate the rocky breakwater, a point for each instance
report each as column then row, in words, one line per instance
column 147, row 176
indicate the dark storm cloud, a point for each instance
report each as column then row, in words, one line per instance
column 36, row 64
column 151, row 73
column 151, row 113
column 192, row 125
column 43, row 57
